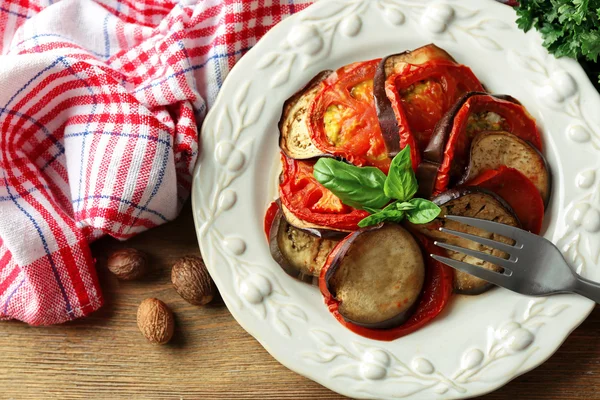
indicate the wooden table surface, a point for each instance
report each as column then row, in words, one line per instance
column 211, row 356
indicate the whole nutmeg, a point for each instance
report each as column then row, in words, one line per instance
column 192, row 280
column 128, row 264
column 155, row 321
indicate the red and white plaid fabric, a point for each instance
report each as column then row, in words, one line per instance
column 100, row 103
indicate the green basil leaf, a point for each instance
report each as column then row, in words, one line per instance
column 401, row 182
column 382, row 216
column 356, row 187
column 404, row 206
column 391, row 206
column 372, row 210
column 425, row 211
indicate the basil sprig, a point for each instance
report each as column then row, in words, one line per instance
column 367, row 188
column 357, row 187
column 401, row 182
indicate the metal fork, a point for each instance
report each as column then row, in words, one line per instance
column 535, row 267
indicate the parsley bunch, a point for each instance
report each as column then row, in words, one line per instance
column 570, row 28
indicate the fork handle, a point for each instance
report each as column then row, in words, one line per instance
column 587, row 288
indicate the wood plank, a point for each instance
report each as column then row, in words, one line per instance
column 211, row 356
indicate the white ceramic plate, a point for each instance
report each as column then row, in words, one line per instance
column 479, row 343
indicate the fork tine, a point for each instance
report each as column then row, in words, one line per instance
column 507, row 248
column 490, row 226
column 478, row 254
column 496, row 278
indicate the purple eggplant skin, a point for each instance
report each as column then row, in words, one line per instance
column 454, row 194
column 287, row 121
column 476, row 290
column 279, row 229
column 278, row 256
column 385, row 113
column 433, row 155
column 343, row 251
column 426, row 175
column 550, row 180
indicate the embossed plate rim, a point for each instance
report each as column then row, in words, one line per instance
column 265, row 301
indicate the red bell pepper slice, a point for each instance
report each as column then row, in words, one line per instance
column 356, row 135
column 518, row 191
column 310, row 201
column 514, row 119
column 437, row 290
column 421, row 94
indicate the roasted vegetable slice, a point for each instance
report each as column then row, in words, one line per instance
column 377, row 276
column 299, row 253
column 312, row 228
column 414, row 89
column 342, row 117
column 270, row 215
column 294, row 135
column 476, row 203
column 435, row 295
column 308, row 204
column 491, row 150
column 446, row 155
column 518, row 191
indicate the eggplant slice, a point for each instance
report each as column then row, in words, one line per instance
column 301, row 254
column 392, row 65
column 313, row 229
column 433, row 155
column 377, row 276
column 477, row 203
column 294, row 135
column 490, row 150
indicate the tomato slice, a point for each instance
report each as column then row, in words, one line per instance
column 343, row 120
column 482, row 113
column 437, row 290
column 421, row 95
column 269, row 217
column 310, row 201
column 518, row 191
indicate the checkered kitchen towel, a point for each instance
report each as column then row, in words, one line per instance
column 100, row 103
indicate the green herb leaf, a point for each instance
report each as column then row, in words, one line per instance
column 425, row 211
column 570, row 28
column 590, row 45
column 394, row 212
column 356, row 187
column 404, row 206
column 390, row 215
column 401, row 182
